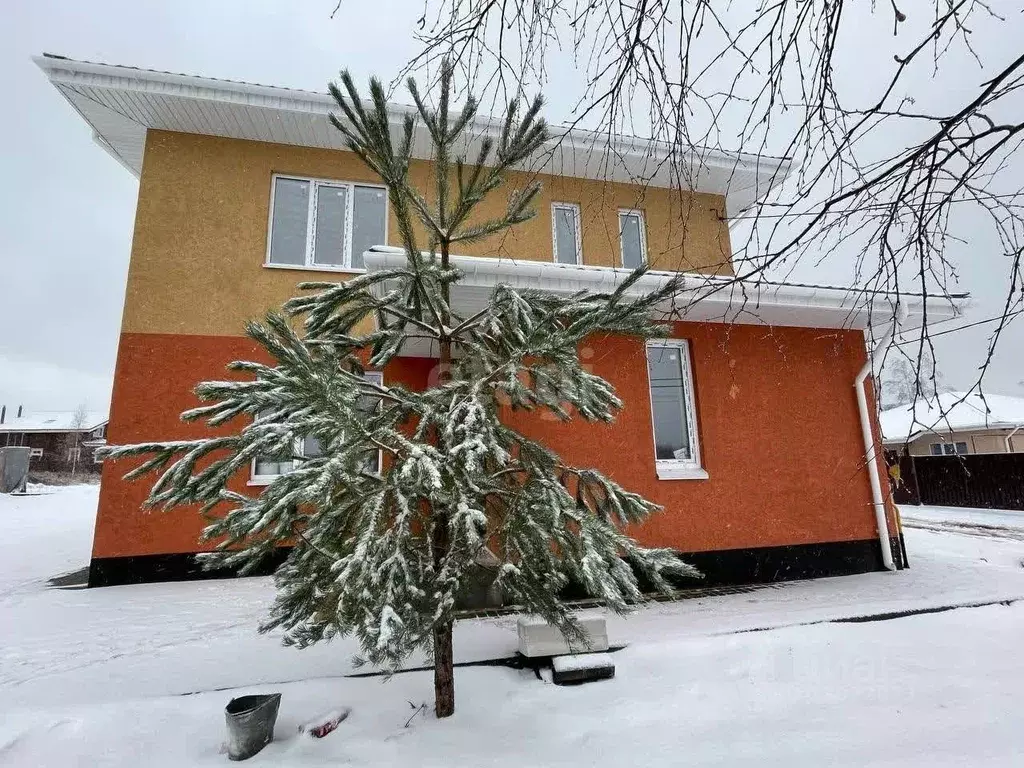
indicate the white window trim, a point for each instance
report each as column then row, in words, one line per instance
column 643, row 235
column 262, row 480
column 554, row 231
column 35, row 453
column 677, row 469
column 314, row 181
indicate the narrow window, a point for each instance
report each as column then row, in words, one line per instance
column 325, row 224
column 290, row 221
column 961, row 448
column 672, row 409
column 566, row 229
column 266, row 468
column 369, row 219
column 369, row 404
column 329, row 233
column 936, row 449
column 632, row 238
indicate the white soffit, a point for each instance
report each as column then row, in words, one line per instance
column 705, row 299
column 122, row 103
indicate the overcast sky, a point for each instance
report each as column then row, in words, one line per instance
column 68, row 207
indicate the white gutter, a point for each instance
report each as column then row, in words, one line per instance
column 1009, row 437
column 704, row 298
column 877, row 499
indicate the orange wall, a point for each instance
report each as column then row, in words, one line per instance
column 765, row 400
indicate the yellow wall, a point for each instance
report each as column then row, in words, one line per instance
column 201, row 229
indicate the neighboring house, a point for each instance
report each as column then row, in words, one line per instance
column 246, row 190
column 60, row 441
column 956, row 423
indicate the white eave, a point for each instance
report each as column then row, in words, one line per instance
column 706, row 298
column 121, row 103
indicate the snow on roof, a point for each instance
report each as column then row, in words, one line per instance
column 53, row 421
column 951, row 412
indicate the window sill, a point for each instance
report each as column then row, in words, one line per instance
column 315, row 268
column 670, row 471
column 262, row 481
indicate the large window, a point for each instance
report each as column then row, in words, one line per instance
column 565, row 230
column 324, row 224
column 266, row 468
column 676, row 450
column 632, row 238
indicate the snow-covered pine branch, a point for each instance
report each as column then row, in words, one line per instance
column 382, row 547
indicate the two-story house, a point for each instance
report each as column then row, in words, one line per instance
column 246, row 190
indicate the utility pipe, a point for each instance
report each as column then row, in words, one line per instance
column 1009, row 437
column 877, row 500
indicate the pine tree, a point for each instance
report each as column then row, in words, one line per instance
column 382, row 553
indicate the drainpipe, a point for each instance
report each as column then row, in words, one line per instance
column 1009, row 437
column 877, row 500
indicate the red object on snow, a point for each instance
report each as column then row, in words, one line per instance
column 323, row 725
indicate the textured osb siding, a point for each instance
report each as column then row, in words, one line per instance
column 201, row 229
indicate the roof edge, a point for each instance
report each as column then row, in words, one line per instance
column 768, row 171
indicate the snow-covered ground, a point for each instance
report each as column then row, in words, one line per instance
column 98, row 677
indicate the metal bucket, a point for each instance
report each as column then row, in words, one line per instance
column 250, row 722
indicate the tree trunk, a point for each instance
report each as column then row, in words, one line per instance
column 444, row 662
column 444, row 671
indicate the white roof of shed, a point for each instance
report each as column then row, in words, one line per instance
column 951, row 412
column 53, row 421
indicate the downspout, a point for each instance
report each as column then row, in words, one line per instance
column 1009, row 437
column 877, row 500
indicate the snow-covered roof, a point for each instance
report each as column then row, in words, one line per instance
column 121, row 103
column 53, row 421
column 951, row 412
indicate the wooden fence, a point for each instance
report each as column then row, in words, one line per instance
column 990, row 480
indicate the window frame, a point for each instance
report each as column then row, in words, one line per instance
column 677, row 469
column 643, row 236
column 310, row 254
column 35, row 453
column 932, row 449
column 575, row 208
column 255, row 479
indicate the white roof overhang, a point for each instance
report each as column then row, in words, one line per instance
column 706, row 298
column 939, row 429
column 122, row 103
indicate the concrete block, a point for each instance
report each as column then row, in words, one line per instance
column 538, row 638
column 582, row 668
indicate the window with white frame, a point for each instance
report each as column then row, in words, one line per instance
column 266, row 468
column 673, row 415
column 324, row 224
column 565, row 232
column 632, row 238
column 949, row 449
column 35, row 453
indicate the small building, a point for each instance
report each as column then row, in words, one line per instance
column 956, row 423
column 61, row 441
